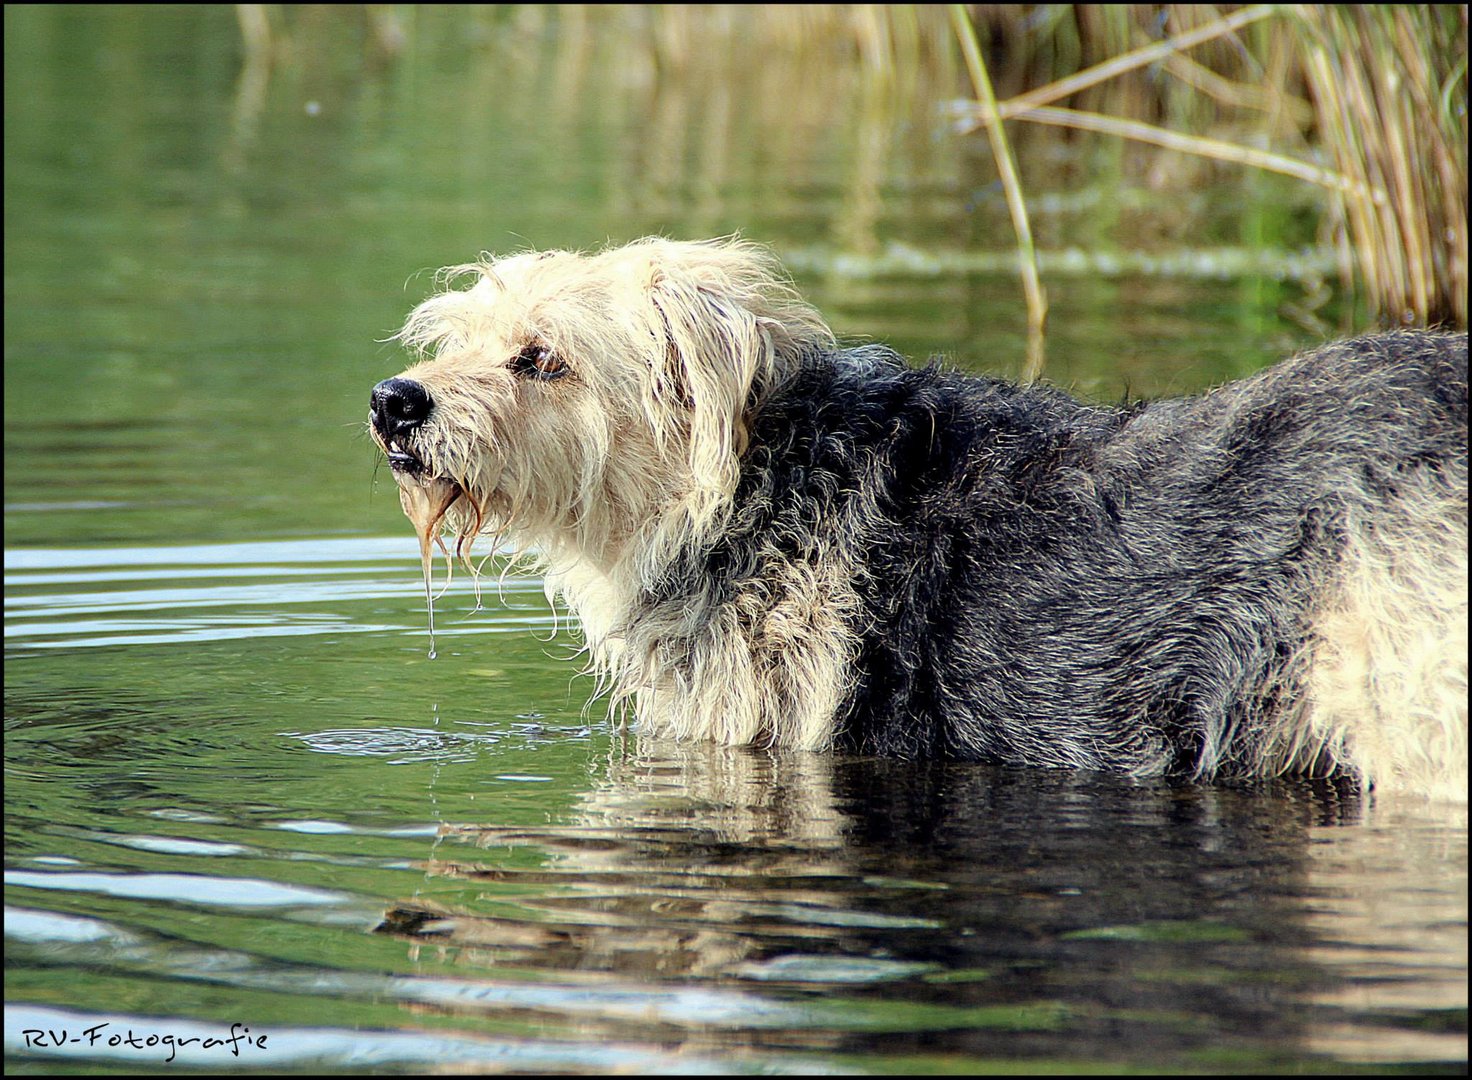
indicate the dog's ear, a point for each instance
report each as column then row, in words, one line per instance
column 715, row 349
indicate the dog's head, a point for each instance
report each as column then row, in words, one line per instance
column 588, row 402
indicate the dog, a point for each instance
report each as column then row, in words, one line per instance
column 771, row 538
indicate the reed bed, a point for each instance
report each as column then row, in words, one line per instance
column 1368, row 102
column 1365, row 102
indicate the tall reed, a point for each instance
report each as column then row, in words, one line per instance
column 1378, row 92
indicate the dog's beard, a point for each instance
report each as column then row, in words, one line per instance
column 437, row 505
column 425, row 502
column 435, row 497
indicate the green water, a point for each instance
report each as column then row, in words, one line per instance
column 237, row 790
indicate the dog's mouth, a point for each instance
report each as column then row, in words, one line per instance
column 426, row 497
column 432, row 500
column 404, row 461
column 411, row 471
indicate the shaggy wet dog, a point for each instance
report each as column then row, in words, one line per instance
column 770, row 538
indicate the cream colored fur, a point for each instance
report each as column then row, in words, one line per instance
column 1387, row 671
column 608, row 476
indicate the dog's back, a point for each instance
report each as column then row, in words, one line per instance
column 1268, row 577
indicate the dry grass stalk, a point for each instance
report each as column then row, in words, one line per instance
column 1037, row 300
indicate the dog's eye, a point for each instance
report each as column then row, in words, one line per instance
column 539, row 362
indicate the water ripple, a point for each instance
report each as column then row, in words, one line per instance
column 187, row 594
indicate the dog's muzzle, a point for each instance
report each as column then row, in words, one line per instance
column 397, row 409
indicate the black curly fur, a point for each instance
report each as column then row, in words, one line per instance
column 1047, row 582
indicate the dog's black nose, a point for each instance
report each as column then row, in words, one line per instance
column 398, row 406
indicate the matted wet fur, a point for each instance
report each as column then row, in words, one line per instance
column 770, row 538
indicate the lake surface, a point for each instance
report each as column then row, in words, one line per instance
column 240, row 796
